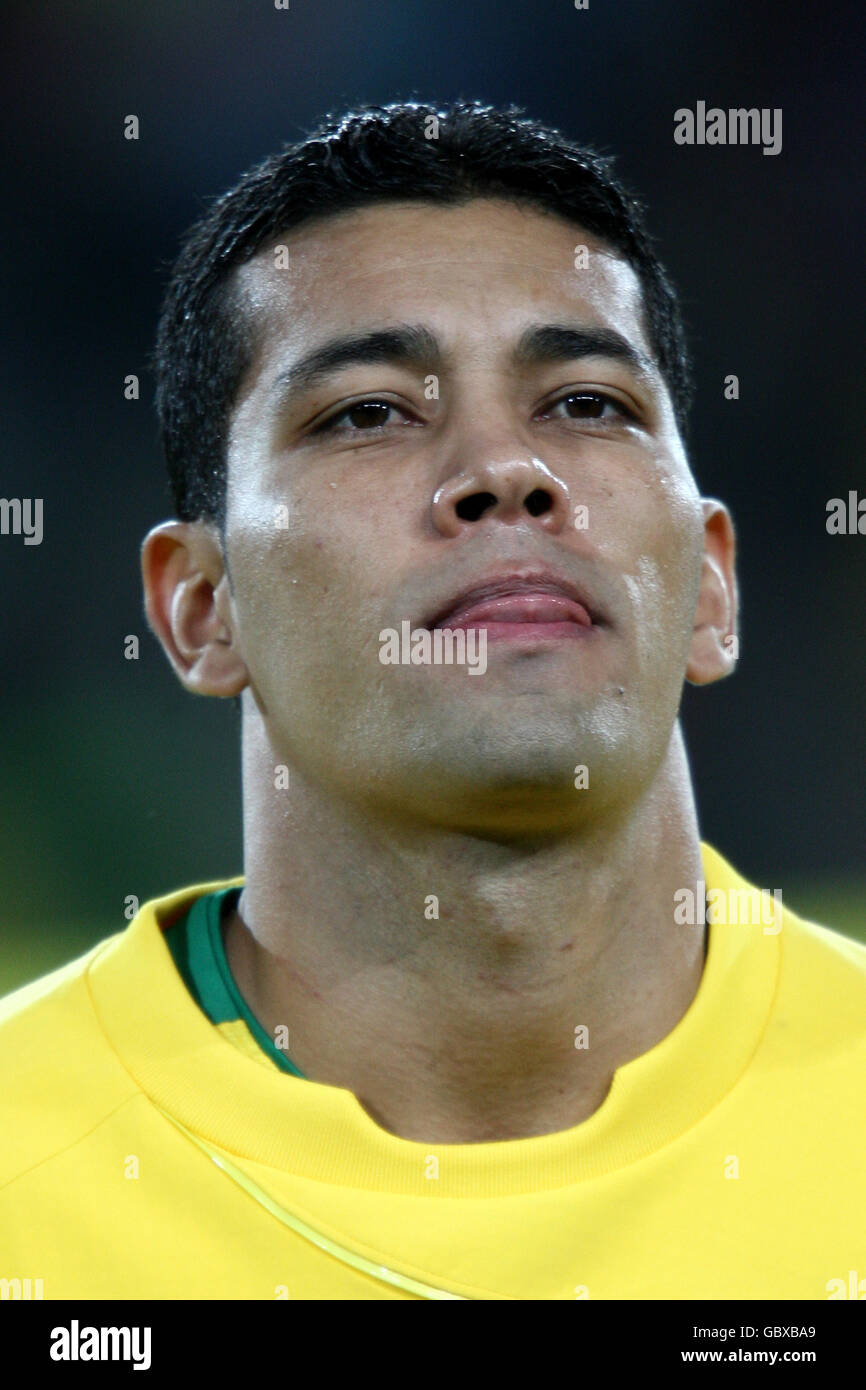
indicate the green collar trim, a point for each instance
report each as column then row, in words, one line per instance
column 206, row 972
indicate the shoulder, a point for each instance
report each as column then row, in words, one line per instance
column 58, row 1076
column 64, row 1038
column 826, row 956
column 821, row 994
column 820, row 974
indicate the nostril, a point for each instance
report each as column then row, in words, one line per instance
column 473, row 507
column 538, row 502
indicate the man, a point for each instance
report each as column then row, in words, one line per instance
column 479, row 1020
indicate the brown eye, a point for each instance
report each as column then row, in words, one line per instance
column 585, row 406
column 360, row 417
column 367, row 415
column 590, row 405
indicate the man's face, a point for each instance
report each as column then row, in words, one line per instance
column 550, row 471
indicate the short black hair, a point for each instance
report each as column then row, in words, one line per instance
column 403, row 151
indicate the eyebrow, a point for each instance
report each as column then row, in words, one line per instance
column 415, row 345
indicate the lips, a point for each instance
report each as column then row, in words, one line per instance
column 518, row 605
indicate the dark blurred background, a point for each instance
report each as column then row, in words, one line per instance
column 117, row 782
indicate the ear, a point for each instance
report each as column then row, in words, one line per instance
column 714, row 646
column 189, row 606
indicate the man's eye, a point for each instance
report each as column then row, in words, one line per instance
column 589, row 405
column 373, row 414
column 363, row 415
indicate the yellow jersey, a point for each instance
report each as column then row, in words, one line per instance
column 148, row 1150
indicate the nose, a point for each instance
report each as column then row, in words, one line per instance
column 509, row 491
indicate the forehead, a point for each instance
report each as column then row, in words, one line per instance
column 478, row 270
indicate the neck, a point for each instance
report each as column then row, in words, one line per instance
column 465, row 990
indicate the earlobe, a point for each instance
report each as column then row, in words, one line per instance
column 185, row 590
column 714, row 646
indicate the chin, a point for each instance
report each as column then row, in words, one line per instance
column 517, row 761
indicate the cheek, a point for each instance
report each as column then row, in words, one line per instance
column 660, row 563
column 659, row 631
column 309, row 603
column 311, row 550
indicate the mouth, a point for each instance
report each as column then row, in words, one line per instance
column 533, row 606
